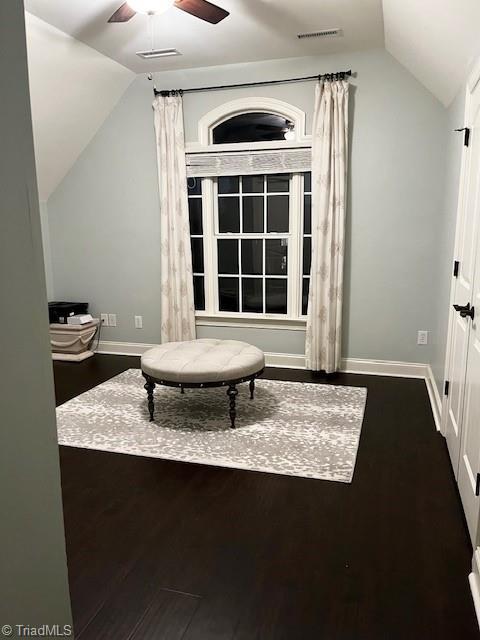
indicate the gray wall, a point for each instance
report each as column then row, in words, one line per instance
column 104, row 225
column 33, row 570
column 47, row 252
column 446, row 235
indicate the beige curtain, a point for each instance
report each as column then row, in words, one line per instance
column 329, row 172
column 178, row 312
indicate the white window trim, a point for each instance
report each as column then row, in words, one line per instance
column 211, row 317
column 230, row 109
column 249, row 321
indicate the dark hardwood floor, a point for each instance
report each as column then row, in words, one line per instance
column 164, row 550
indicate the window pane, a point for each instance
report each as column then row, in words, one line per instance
column 307, row 256
column 278, row 182
column 250, row 127
column 227, row 256
column 305, row 290
column 276, row 257
column 195, row 213
column 277, row 214
column 197, row 255
column 228, row 215
column 307, row 217
column 252, row 184
column 228, row 294
column 252, row 295
column 228, row 184
column 276, row 295
column 252, row 257
column 307, row 181
column 194, row 186
column 199, row 292
column 253, row 214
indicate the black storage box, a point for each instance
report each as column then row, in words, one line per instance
column 58, row 312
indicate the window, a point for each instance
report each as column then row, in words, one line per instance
column 252, row 127
column 253, row 244
column 249, row 192
column 307, row 239
column 252, row 234
column 195, row 211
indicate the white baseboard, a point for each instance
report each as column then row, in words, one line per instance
column 435, row 399
column 474, row 579
column 285, row 360
column 297, row 361
column 384, row 368
column 123, row 348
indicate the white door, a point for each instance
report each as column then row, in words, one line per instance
column 462, row 405
column 462, row 288
column 469, row 464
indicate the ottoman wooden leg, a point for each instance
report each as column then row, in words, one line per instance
column 149, row 386
column 252, row 388
column 232, row 393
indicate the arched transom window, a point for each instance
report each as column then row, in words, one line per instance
column 255, row 126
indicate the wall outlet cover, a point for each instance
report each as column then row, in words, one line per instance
column 138, row 322
column 104, row 319
column 112, row 319
column 422, row 337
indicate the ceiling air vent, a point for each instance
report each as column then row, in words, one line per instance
column 325, row 33
column 157, row 53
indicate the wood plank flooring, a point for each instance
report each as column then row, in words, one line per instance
column 175, row 551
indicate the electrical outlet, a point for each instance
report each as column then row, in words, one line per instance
column 104, row 319
column 112, row 319
column 138, row 322
column 422, row 337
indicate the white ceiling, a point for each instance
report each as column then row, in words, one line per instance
column 436, row 40
column 255, row 30
column 73, row 88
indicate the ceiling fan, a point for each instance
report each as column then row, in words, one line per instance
column 198, row 8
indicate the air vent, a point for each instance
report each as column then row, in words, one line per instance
column 157, row 53
column 325, row 33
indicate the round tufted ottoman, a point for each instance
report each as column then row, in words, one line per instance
column 202, row 363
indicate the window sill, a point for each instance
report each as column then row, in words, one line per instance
column 250, row 321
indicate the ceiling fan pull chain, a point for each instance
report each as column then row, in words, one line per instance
column 150, row 30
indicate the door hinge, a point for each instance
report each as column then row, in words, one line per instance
column 447, row 387
column 466, row 135
column 456, row 267
column 477, row 486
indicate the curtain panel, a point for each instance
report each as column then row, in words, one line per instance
column 329, row 174
column 178, row 312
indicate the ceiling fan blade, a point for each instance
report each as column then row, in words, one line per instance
column 122, row 14
column 203, row 10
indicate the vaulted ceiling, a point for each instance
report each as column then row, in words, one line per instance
column 436, row 40
column 80, row 64
column 254, row 30
column 73, row 88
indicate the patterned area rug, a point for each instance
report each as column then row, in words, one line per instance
column 291, row 428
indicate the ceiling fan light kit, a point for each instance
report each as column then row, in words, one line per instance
column 151, row 7
column 157, row 53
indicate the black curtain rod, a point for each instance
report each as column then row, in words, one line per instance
column 337, row 75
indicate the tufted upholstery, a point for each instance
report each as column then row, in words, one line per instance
column 203, row 360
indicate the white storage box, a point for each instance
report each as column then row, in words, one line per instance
column 71, row 342
column 86, row 318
